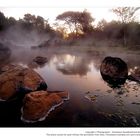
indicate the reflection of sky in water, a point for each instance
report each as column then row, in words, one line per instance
column 75, row 75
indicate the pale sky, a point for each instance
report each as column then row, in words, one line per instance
column 49, row 9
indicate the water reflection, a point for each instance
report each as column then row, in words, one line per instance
column 72, row 65
column 79, row 74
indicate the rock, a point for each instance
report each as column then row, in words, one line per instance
column 16, row 80
column 37, row 105
column 135, row 74
column 5, row 52
column 136, row 103
column 40, row 60
column 114, row 71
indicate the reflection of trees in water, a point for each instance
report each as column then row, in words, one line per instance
column 72, row 65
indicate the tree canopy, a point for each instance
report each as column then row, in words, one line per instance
column 78, row 22
column 75, row 25
column 125, row 14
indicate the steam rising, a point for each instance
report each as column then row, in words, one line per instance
column 17, row 36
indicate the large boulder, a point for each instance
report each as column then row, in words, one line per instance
column 37, row 105
column 114, row 71
column 18, row 80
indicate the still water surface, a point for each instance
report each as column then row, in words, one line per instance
column 92, row 101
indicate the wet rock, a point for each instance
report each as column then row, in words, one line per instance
column 114, row 71
column 37, row 105
column 109, row 91
column 40, row 60
column 136, row 103
column 5, row 52
column 92, row 98
column 16, row 80
column 88, row 92
column 135, row 74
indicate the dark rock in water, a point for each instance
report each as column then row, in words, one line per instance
column 40, row 60
column 37, row 105
column 5, row 52
column 114, row 71
column 42, row 86
column 16, row 80
column 135, row 74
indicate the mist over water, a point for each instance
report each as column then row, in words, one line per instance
column 92, row 101
column 68, row 55
column 17, row 36
column 76, row 69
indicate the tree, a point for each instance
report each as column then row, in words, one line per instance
column 77, row 22
column 113, row 30
column 28, row 18
column 126, row 15
column 86, row 21
column 11, row 21
column 38, row 23
column 3, row 21
column 28, row 21
column 62, row 30
column 102, row 24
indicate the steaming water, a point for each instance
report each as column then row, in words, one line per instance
column 92, row 102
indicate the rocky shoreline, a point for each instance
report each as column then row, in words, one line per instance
column 28, row 115
column 25, row 85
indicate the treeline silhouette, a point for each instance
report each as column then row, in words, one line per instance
column 73, row 26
